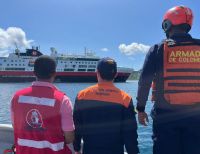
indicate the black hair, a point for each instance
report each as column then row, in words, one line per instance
column 108, row 73
column 44, row 67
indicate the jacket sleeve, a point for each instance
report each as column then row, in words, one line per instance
column 146, row 78
column 129, row 129
column 77, row 122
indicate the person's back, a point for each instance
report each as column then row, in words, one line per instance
column 37, row 115
column 173, row 66
column 104, row 118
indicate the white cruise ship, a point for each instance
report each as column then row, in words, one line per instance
column 18, row 67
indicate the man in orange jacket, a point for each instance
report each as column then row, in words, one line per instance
column 104, row 116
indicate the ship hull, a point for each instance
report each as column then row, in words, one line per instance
column 8, row 76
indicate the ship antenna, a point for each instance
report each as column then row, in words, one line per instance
column 17, row 49
column 85, row 50
column 16, row 46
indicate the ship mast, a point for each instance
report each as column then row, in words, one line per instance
column 17, row 51
column 85, row 50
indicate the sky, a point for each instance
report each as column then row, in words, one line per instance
column 120, row 29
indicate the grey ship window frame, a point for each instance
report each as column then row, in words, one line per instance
column 92, row 66
column 82, row 66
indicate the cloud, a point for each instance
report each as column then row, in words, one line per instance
column 133, row 48
column 4, row 53
column 11, row 36
column 105, row 49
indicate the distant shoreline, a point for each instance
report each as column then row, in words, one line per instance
column 134, row 75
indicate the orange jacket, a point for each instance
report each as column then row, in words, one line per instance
column 182, row 73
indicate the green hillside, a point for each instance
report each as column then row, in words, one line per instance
column 134, row 75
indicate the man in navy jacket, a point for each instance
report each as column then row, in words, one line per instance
column 174, row 67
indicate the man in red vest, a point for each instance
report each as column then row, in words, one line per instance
column 42, row 114
column 174, row 67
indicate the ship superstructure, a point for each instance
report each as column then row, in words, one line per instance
column 18, row 67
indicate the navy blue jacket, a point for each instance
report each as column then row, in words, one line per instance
column 153, row 69
column 104, row 118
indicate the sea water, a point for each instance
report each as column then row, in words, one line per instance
column 71, row 89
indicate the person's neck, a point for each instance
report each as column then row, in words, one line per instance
column 45, row 80
column 173, row 32
column 101, row 81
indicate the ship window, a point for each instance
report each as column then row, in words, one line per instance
column 11, row 60
column 81, row 70
column 4, row 60
column 68, row 70
column 7, row 64
column 91, row 70
column 15, row 60
column 9, row 69
column 19, row 64
column 11, row 64
column 0, row 64
column 15, row 64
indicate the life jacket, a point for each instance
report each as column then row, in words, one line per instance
column 182, row 72
column 37, row 121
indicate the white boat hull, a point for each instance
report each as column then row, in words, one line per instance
column 6, row 137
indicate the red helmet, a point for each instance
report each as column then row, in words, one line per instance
column 176, row 16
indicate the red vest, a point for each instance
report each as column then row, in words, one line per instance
column 182, row 73
column 37, row 121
